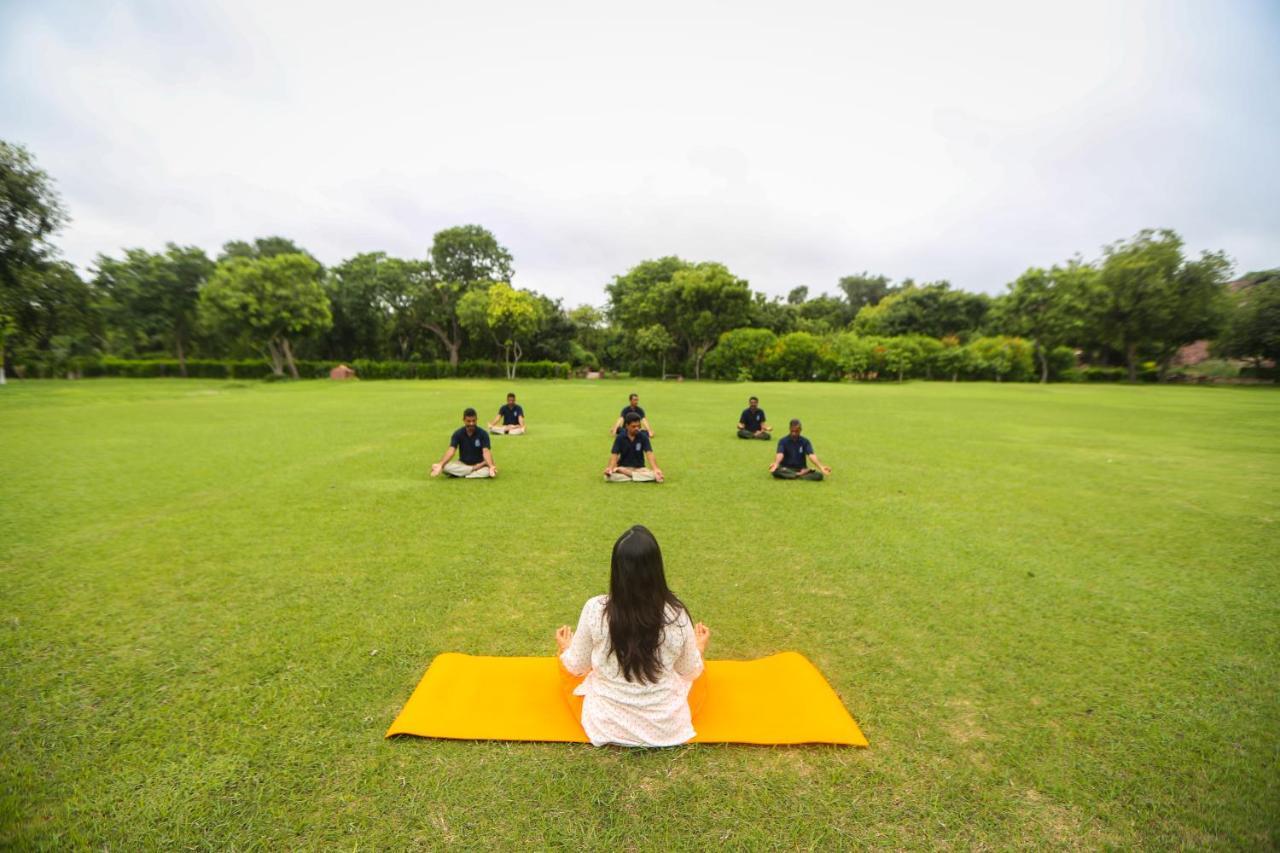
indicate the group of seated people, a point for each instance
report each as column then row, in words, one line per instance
column 631, row 459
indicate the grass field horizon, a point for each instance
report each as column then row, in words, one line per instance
column 1053, row 611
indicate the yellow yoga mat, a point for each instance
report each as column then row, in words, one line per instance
column 780, row 699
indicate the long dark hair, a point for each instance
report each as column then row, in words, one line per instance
column 637, row 605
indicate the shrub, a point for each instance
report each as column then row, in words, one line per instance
column 953, row 359
column 902, row 354
column 1103, row 374
column 802, row 356
column 1061, row 360
column 740, row 354
column 856, row 355
column 1002, row 357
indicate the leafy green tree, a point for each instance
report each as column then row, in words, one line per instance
column 772, row 314
column 55, row 317
column 801, row 356
column 929, row 350
column 694, row 302
column 464, row 258
column 929, row 309
column 589, row 329
column 702, row 302
column 374, row 299
column 740, row 354
column 1252, row 329
column 553, row 340
column 262, row 248
column 269, row 302
column 822, row 315
column 1002, row 357
column 154, row 295
column 857, row 355
column 513, row 316
column 639, row 297
column 506, row 315
column 30, row 214
column 1149, row 297
column 656, row 343
column 864, row 289
column 1048, row 307
column 902, row 354
column 797, row 295
column 953, row 358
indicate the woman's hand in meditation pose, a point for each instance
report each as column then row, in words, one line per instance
column 702, row 635
column 564, row 636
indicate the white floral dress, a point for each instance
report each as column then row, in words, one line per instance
column 615, row 710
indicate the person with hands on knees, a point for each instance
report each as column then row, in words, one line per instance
column 752, row 422
column 794, row 451
column 631, row 450
column 512, row 417
column 637, row 652
column 475, row 460
column 632, row 408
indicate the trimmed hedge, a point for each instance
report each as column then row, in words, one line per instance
column 197, row 368
column 204, row 368
column 470, row 369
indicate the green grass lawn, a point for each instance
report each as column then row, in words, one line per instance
column 1055, row 612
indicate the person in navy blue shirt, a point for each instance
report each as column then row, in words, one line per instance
column 752, row 422
column 632, row 408
column 512, row 417
column 794, row 453
column 631, row 449
column 472, row 446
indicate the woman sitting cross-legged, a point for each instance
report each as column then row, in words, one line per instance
column 640, row 651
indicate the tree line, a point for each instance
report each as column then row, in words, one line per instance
column 269, row 297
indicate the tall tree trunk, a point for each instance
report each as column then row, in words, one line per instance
column 453, row 344
column 1044, row 364
column 277, row 360
column 1131, row 360
column 288, row 354
column 182, row 358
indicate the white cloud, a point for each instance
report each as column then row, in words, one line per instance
column 931, row 140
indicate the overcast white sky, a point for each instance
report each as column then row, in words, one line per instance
column 794, row 142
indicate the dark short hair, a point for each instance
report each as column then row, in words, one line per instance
column 510, row 394
column 468, row 412
column 632, row 418
column 753, row 400
column 795, row 422
column 634, row 397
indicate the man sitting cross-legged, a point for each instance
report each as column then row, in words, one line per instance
column 793, row 451
column 472, row 445
column 752, row 422
column 632, row 408
column 512, row 417
column 631, row 448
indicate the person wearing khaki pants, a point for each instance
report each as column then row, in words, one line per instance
column 631, row 449
column 512, row 417
column 475, row 460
